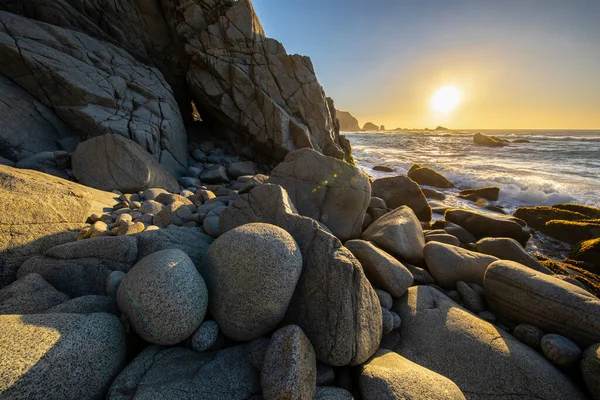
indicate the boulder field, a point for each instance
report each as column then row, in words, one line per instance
column 145, row 253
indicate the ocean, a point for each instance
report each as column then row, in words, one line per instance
column 555, row 167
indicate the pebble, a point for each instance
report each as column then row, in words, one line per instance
column 530, row 335
column 561, row 351
column 206, row 336
column 388, row 321
column 397, row 322
column 385, row 299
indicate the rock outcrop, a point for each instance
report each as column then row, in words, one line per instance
column 489, row 141
column 39, row 211
column 369, row 126
column 325, row 189
column 347, row 122
column 347, row 331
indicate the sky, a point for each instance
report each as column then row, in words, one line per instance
column 518, row 64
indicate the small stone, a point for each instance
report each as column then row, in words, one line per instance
column 136, row 215
column 113, row 281
column 151, row 194
column 199, row 155
column 388, row 321
column 151, row 207
column 561, row 351
column 472, row 300
column 530, row 335
column 152, row 228
column 134, row 205
column 193, row 172
column 396, row 319
column 205, row 336
column 257, row 349
column 99, row 227
column 124, row 220
column 211, row 225
column 187, row 181
column 385, row 299
column 184, row 213
column 134, row 228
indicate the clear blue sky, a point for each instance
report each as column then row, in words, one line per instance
column 518, row 63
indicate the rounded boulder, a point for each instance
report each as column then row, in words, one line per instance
column 251, row 273
column 163, row 297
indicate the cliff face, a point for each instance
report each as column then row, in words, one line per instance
column 347, row 122
column 266, row 102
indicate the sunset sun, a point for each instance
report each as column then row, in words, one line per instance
column 446, row 99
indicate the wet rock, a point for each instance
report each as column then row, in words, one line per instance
column 429, row 177
column 433, row 194
column 490, row 193
column 488, row 141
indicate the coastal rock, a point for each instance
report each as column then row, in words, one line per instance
column 111, row 162
column 588, row 251
column 399, row 233
column 590, row 367
column 572, row 231
column 382, row 270
column 39, row 228
column 433, row 194
column 402, row 191
column 325, row 189
column 493, row 364
column 383, row 168
column 163, row 297
column 94, row 87
column 489, row 141
column 83, row 352
column 389, row 376
column 290, row 369
column 473, row 300
column 527, row 296
column 343, row 331
column 242, row 168
column 461, row 233
column 537, row 217
column 347, row 121
column 429, row 177
column 561, row 351
column 30, row 294
column 488, row 225
column 450, row 264
column 530, row 335
column 251, row 287
column 487, row 193
column 369, row 126
column 86, row 305
column 166, row 373
column 509, row 249
column 442, row 238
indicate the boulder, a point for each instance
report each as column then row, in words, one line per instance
column 325, row 189
column 483, row 361
column 450, row 264
column 163, row 297
column 473, row 300
column 214, row 174
column 561, row 351
column 442, row 238
column 488, row 225
column 527, row 296
column 489, row 141
column 399, row 233
column 382, row 270
column 251, row 273
column 383, row 168
column 333, row 303
column 402, row 191
column 290, row 369
column 30, row 294
column 95, row 88
column 572, row 231
column 389, row 376
column 590, row 368
column 428, row 177
column 347, row 121
column 537, row 217
column 242, row 168
column 110, row 162
column 490, row 193
column 461, row 233
column 192, row 241
column 59, row 356
column 587, row 251
column 509, row 249
column 169, row 373
column 433, row 194
column 50, row 211
column 530, row 335
column 86, row 305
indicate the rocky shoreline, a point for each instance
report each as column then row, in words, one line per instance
column 144, row 255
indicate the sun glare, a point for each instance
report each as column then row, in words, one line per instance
column 446, row 99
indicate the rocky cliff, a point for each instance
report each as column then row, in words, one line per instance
column 347, row 122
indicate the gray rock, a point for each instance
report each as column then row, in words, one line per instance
column 389, row 376
column 487, row 316
column 192, row 241
column 344, row 331
column 86, row 305
column 39, row 228
column 530, row 335
column 153, row 193
column 163, row 297
column 461, row 233
column 257, row 350
column 526, row 296
column 214, row 174
column 399, row 191
column 241, row 168
column 290, row 367
column 433, row 194
column 30, row 294
column 561, row 351
column 376, row 202
column 332, row 393
column 387, row 321
column 443, row 238
column 399, row 233
column 397, row 322
column 509, row 249
column 94, row 87
column 166, row 373
column 590, row 368
column 151, row 207
column 472, row 300
column 489, row 225
column 385, row 299
column 189, row 182
column 325, row 374
column 206, row 336
column 199, row 155
column 326, row 189
column 250, row 288
column 493, row 364
column 83, row 352
column 211, row 225
column 450, row 264
column 382, row 270
column 111, row 162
